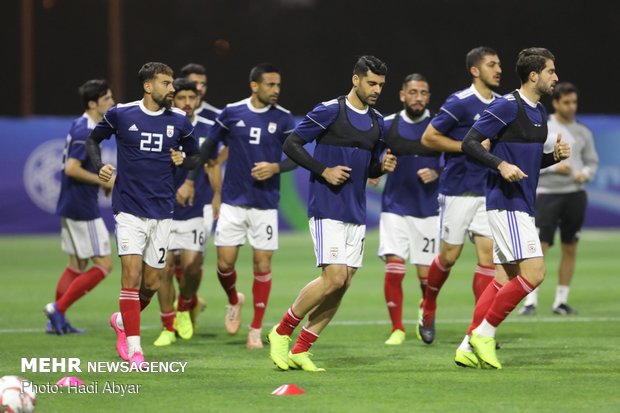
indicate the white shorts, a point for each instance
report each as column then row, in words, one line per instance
column 84, row 239
column 462, row 215
column 407, row 236
column 337, row 242
column 207, row 215
column 236, row 223
column 143, row 236
column 515, row 236
column 188, row 235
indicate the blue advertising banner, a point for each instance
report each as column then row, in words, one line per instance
column 31, row 160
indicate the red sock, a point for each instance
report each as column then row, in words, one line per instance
column 288, row 323
column 67, row 277
column 228, row 281
column 184, row 304
column 260, row 291
column 129, row 303
column 393, row 290
column 80, row 286
column 167, row 320
column 194, row 301
column 305, row 340
column 423, row 284
column 483, row 304
column 437, row 275
column 483, row 276
column 507, row 299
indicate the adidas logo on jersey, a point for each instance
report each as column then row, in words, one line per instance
column 477, row 117
column 133, row 128
column 240, row 124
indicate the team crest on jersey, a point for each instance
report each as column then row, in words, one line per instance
column 271, row 128
column 333, row 251
column 124, row 244
column 170, row 131
column 531, row 246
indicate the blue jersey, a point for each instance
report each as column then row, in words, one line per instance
column 252, row 135
column 525, row 152
column 347, row 202
column 144, row 185
column 203, row 194
column 457, row 115
column 404, row 192
column 208, row 111
column 78, row 200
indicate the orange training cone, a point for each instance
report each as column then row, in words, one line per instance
column 287, row 390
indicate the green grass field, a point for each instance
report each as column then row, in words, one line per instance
column 551, row 363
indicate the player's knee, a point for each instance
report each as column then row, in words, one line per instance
column 152, row 284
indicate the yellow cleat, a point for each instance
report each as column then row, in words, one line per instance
column 194, row 312
column 466, row 358
column 183, row 325
column 301, row 361
column 484, row 348
column 278, row 348
column 165, row 338
column 396, row 339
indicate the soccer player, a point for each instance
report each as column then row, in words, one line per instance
column 561, row 199
column 189, row 231
column 254, row 130
column 409, row 220
column 149, row 135
column 197, row 73
column 461, row 185
column 348, row 132
column 516, row 124
column 83, row 235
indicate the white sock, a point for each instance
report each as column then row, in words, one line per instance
column 133, row 345
column 465, row 344
column 561, row 295
column 485, row 329
column 532, row 298
column 119, row 322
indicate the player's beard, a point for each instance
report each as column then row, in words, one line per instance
column 163, row 101
column 413, row 114
column 364, row 99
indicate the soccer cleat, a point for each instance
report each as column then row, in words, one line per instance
column 233, row 315
column 425, row 329
column 484, row 348
column 183, row 325
column 301, row 361
column 137, row 359
column 396, row 338
column 529, row 309
column 278, row 348
column 466, row 358
column 55, row 317
column 564, row 309
column 166, row 337
column 69, row 329
column 254, row 338
column 49, row 328
column 121, row 338
column 194, row 312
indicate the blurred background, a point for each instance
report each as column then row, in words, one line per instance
column 50, row 47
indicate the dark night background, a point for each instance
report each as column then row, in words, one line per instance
column 314, row 42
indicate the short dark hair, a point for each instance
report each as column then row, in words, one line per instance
column 366, row 63
column 151, row 69
column 563, row 89
column 180, row 84
column 414, row 76
column 532, row 59
column 193, row 68
column 92, row 90
column 257, row 71
column 475, row 56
